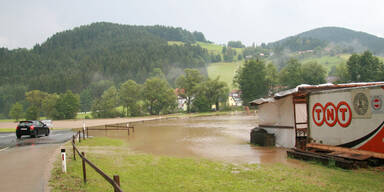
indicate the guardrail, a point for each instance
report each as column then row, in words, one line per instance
column 115, row 182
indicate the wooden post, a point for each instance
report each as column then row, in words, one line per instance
column 73, row 147
column 116, row 178
column 87, row 132
column 78, row 133
column 83, row 134
column 84, row 170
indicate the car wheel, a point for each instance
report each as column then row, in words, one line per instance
column 47, row 132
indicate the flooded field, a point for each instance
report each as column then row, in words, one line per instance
column 224, row 138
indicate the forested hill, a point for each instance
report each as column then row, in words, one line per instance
column 74, row 59
column 349, row 40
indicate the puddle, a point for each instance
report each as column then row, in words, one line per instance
column 224, row 138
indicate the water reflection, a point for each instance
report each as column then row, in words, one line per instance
column 223, row 137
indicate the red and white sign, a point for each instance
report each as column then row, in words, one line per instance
column 376, row 103
column 330, row 114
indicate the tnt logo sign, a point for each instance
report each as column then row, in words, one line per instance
column 330, row 114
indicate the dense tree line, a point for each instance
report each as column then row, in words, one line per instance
column 363, row 67
column 235, row 44
column 91, row 58
column 256, row 79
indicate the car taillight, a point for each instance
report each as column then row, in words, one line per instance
column 17, row 127
column 31, row 128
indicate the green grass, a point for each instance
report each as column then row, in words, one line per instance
column 144, row 172
column 175, row 43
column 226, row 71
column 211, row 47
column 5, row 130
column 327, row 61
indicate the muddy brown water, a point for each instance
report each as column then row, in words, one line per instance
column 224, row 138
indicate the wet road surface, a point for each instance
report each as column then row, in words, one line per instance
column 25, row 163
column 9, row 140
column 224, row 137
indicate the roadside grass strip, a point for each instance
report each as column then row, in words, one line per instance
column 145, row 172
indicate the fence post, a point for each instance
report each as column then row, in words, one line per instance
column 87, row 132
column 84, row 170
column 116, row 178
column 78, row 133
column 63, row 161
column 83, row 134
column 73, row 146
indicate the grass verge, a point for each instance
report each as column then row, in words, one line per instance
column 7, row 130
column 144, row 172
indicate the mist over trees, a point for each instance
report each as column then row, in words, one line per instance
column 89, row 59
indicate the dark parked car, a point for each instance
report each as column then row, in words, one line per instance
column 32, row 128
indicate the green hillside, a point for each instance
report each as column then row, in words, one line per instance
column 226, row 71
column 338, row 39
column 96, row 55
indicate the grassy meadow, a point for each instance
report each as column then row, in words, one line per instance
column 145, row 172
column 226, row 71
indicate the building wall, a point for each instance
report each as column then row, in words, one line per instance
column 279, row 113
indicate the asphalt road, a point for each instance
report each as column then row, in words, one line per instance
column 25, row 163
column 9, row 140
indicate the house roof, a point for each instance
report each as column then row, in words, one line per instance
column 179, row 91
column 304, row 89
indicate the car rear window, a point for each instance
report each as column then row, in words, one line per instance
column 25, row 123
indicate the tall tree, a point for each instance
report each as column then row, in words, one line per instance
column 158, row 96
column 250, row 79
column 189, row 83
column 342, row 73
column 313, row 73
column 271, row 76
column 68, row 105
column 291, row 74
column 365, row 67
column 35, row 99
column 16, row 111
column 49, row 106
column 105, row 106
column 215, row 91
column 130, row 93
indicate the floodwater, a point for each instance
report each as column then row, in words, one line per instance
column 224, row 138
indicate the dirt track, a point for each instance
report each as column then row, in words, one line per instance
column 69, row 124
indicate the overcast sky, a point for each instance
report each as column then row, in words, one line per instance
column 24, row 23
